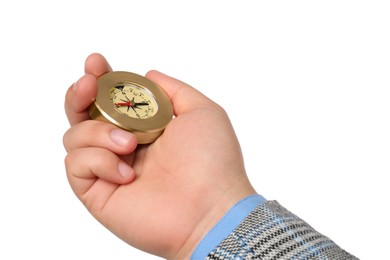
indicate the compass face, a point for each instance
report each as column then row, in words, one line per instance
column 133, row 101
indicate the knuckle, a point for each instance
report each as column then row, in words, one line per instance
column 69, row 163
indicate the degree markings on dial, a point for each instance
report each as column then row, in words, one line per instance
column 125, row 97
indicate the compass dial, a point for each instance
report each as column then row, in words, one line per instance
column 133, row 101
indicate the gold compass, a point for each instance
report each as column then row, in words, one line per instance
column 134, row 103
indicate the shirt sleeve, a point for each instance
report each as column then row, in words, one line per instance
column 258, row 229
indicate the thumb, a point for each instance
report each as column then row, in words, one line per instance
column 184, row 98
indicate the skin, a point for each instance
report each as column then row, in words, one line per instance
column 164, row 197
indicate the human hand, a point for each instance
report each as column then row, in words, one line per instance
column 163, row 197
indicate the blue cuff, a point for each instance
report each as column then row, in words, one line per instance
column 226, row 225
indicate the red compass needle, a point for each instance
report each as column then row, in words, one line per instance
column 124, row 104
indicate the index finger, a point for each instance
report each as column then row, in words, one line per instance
column 82, row 93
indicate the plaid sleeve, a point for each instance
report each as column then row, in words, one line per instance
column 272, row 232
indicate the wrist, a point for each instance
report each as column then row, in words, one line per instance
column 229, row 199
column 227, row 225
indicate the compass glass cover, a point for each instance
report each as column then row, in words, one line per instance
column 134, row 101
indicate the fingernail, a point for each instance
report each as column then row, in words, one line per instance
column 75, row 86
column 121, row 137
column 125, row 170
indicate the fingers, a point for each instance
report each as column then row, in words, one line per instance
column 79, row 97
column 95, row 173
column 93, row 133
column 183, row 97
column 96, row 65
column 82, row 93
column 93, row 166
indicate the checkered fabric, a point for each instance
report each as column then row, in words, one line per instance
column 272, row 232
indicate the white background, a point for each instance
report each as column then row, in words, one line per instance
column 306, row 85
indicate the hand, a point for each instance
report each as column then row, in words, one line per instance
column 164, row 197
